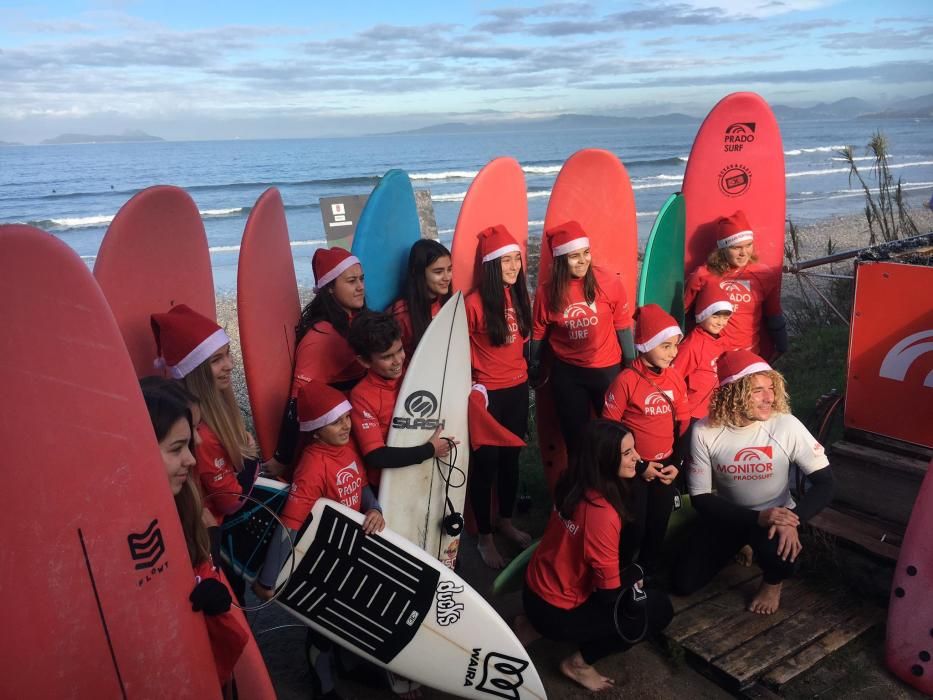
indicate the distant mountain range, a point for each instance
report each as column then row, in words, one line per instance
column 128, row 136
column 848, row 108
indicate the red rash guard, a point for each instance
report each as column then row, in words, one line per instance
column 402, row 316
column 325, row 355
column 696, row 364
column 324, row 471
column 497, row 367
column 373, row 400
column 640, row 405
column 577, row 556
column 584, row 334
column 217, row 475
column 753, row 291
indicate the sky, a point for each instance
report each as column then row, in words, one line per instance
column 282, row 69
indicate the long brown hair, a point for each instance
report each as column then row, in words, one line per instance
column 221, row 413
column 718, row 263
column 560, row 280
column 166, row 407
column 492, row 294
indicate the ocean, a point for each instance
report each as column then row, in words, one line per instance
column 73, row 191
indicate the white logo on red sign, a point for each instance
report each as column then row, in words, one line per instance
column 899, row 359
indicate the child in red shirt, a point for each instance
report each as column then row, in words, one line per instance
column 584, row 315
column 329, row 467
column 499, row 319
column 651, row 399
column 753, row 289
column 377, row 341
column 575, row 576
column 697, row 355
column 427, row 289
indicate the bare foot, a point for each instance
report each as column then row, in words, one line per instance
column 512, row 533
column 745, row 556
column 577, row 670
column 524, row 630
column 767, row 600
column 489, row 553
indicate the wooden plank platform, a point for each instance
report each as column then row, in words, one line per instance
column 877, row 537
column 757, row 654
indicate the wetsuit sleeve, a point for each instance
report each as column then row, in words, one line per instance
column 276, row 556
column 711, row 505
column 777, row 329
column 621, row 309
column 368, row 500
column 818, row 496
column 627, row 343
column 395, row 457
column 288, row 434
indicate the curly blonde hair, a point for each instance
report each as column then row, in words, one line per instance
column 718, row 263
column 729, row 404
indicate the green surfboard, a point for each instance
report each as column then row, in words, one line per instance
column 661, row 280
column 512, row 577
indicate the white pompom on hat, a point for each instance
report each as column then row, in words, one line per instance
column 185, row 339
column 711, row 299
column 653, row 325
column 328, row 264
column 732, row 230
column 496, row 241
column 566, row 238
column 735, row 364
column 319, row 404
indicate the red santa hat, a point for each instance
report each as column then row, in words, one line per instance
column 732, row 230
column 319, row 404
column 484, row 429
column 735, row 364
column 567, row 238
column 653, row 325
column 496, row 241
column 328, row 264
column 184, row 339
column 711, row 299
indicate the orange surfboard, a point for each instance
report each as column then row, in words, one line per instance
column 95, row 566
column 268, row 309
column 592, row 188
column 153, row 256
column 497, row 195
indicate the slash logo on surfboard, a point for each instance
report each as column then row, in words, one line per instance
column 419, row 405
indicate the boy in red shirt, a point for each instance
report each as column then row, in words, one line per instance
column 651, row 399
column 377, row 341
column 329, row 467
column 697, row 355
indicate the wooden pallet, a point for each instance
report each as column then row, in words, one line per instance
column 757, row 654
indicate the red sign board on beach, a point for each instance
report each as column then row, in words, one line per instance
column 889, row 390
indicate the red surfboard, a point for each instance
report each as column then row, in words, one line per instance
column 497, row 195
column 268, row 309
column 909, row 644
column 592, row 188
column 737, row 162
column 153, row 256
column 95, row 567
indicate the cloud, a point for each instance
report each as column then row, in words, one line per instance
column 887, row 39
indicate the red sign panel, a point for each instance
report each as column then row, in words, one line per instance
column 890, row 383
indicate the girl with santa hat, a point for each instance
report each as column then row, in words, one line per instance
column 583, row 314
column 753, row 289
column 651, row 399
column 427, row 289
column 499, row 319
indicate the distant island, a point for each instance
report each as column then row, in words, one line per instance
column 128, row 136
column 848, row 108
column 10, row 143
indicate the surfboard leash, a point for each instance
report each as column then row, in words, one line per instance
column 453, row 521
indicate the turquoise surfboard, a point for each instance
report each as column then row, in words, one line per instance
column 661, row 280
column 512, row 577
column 387, row 229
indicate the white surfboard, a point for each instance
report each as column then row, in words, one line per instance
column 435, row 388
column 389, row 601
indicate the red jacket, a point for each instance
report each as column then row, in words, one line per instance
column 325, row 355
column 227, row 632
column 217, row 475
column 696, row 364
column 645, row 407
column 373, row 401
column 324, row 471
column 402, row 315
column 584, row 334
column 497, row 367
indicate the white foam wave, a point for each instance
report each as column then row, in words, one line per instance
column 541, row 169
column 646, row 213
column 450, row 197
column 236, row 248
column 536, row 223
column 674, row 178
column 217, row 213
column 817, row 149
column 859, row 158
column 652, row 185
column 299, row 244
column 827, row 171
column 539, row 194
column 683, row 158
column 81, row 221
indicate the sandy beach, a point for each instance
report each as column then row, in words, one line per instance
column 646, row 670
